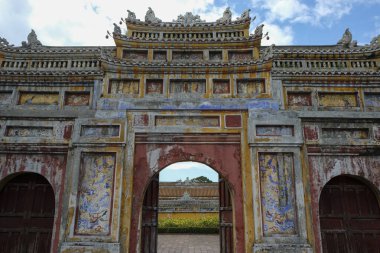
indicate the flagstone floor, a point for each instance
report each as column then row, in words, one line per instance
column 187, row 243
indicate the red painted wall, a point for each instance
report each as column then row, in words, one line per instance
column 151, row 158
column 52, row 167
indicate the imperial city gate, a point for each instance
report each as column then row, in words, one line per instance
column 293, row 130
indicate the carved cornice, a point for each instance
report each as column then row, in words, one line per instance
column 66, row 73
column 295, row 51
column 53, row 50
column 321, row 73
column 114, row 64
column 127, row 39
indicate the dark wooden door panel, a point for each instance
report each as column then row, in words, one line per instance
column 149, row 230
column 349, row 217
column 26, row 215
column 225, row 218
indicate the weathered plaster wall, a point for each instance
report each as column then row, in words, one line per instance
column 323, row 168
column 52, row 167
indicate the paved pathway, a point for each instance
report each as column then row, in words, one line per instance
column 187, row 243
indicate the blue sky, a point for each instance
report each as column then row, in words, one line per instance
column 182, row 170
column 289, row 22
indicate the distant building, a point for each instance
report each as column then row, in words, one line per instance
column 188, row 197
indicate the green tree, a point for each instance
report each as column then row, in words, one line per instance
column 201, row 179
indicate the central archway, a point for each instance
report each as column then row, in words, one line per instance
column 189, row 203
column 153, row 152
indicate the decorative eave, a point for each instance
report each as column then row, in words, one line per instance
column 51, row 52
column 344, row 75
column 125, row 41
column 70, row 76
column 113, row 64
column 297, row 52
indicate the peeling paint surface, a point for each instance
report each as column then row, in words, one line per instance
column 95, row 194
column 338, row 99
column 52, row 167
column 277, row 193
column 324, row 168
column 34, row 98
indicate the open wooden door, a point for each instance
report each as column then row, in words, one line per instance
column 225, row 218
column 350, row 217
column 26, row 215
column 149, row 230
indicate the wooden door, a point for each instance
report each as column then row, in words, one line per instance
column 149, row 230
column 26, row 215
column 225, row 218
column 349, row 217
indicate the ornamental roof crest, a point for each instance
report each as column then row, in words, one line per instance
column 4, row 43
column 188, row 19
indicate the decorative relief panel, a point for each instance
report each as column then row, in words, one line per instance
column 233, row 120
column 95, row 191
column 159, row 55
column 372, row 100
column 299, row 99
column 215, row 55
column 38, row 98
column 221, row 86
column 187, row 56
column 154, row 86
column 124, row 86
column 250, row 87
column 311, row 132
column 346, row 100
column 188, row 121
column 191, row 87
column 136, row 55
column 100, row 131
column 5, row 97
column 28, row 131
column 141, row 120
column 277, row 193
column 376, row 133
column 274, row 130
column 240, row 55
column 345, row 133
column 77, row 98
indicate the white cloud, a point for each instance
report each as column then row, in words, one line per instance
column 277, row 35
column 14, row 19
column 85, row 22
column 322, row 12
column 186, row 166
column 328, row 11
column 283, row 10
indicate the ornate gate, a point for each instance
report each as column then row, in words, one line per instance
column 149, row 230
column 26, row 215
column 349, row 217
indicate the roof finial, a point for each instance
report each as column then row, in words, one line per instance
column 227, row 15
column 33, row 41
column 150, row 17
column 346, row 40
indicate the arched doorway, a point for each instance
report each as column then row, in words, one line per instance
column 349, row 216
column 27, row 208
column 150, row 210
